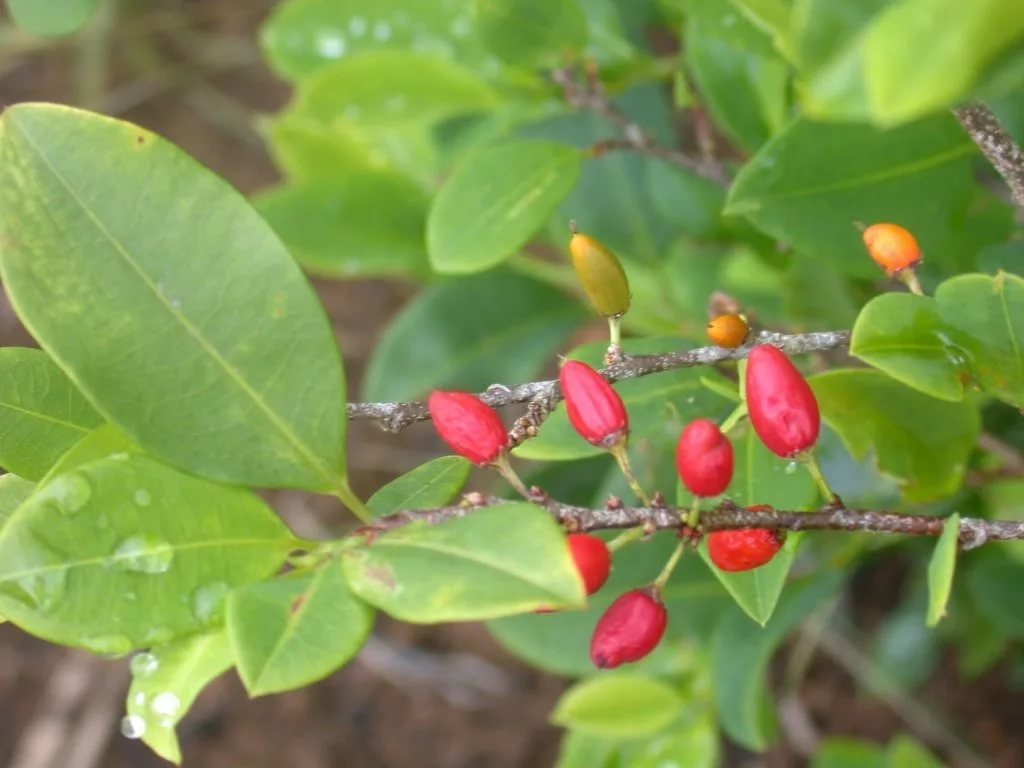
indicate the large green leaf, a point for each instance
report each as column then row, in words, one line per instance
column 494, row 562
column 971, row 332
column 584, row 750
column 618, row 706
column 495, row 201
column 42, row 414
column 303, row 36
column 813, row 181
column 922, row 56
column 430, row 344
column 124, row 553
column 165, row 683
column 918, row 440
column 168, row 301
column 941, row 569
column 429, row 485
column 293, row 630
column 693, row 743
column 13, row 491
column 993, row 579
column 761, row 477
column 106, row 440
column 531, row 33
column 52, row 18
column 740, row 653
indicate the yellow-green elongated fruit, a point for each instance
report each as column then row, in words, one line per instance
column 600, row 274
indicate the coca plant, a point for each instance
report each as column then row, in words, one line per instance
column 185, row 361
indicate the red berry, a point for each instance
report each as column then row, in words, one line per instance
column 629, row 630
column 782, row 407
column 471, row 427
column 592, row 558
column 892, row 247
column 704, row 458
column 743, row 549
column 595, row 409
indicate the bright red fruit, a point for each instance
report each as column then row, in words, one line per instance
column 781, row 406
column 595, row 409
column 471, row 427
column 704, row 458
column 629, row 630
column 743, row 549
column 592, row 558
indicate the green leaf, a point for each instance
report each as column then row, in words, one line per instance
column 922, row 56
column 761, row 477
column 811, row 182
column 904, row 752
column 296, row 629
column 387, row 88
column 431, row 345
column 177, row 312
column 53, row 18
column 941, row 568
column 740, row 653
column 848, row 753
column 103, row 441
column 619, row 706
column 497, row 561
column 994, row 578
column 371, row 223
column 429, row 485
column 42, row 414
column 125, row 553
column 13, row 491
column 658, row 406
column 921, row 442
column 532, row 33
column 165, row 683
column 495, row 201
column 304, row 36
column 584, row 750
column 693, row 744
column 307, row 150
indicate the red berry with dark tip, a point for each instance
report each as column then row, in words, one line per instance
column 743, row 549
column 704, row 458
column 595, row 409
column 471, row 427
column 780, row 403
column 592, row 558
column 630, row 629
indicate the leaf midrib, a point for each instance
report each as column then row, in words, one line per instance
column 44, row 417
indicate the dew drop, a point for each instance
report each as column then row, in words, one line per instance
column 142, row 497
column 791, row 467
column 143, row 553
column 165, row 706
column 330, row 45
column 43, row 582
column 357, row 26
column 208, row 601
column 144, row 665
column 66, row 493
column 133, row 726
column 109, row 646
column 460, row 26
column 139, row 699
column 119, row 456
column 381, row 31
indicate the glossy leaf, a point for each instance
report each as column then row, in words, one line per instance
column 42, row 414
column 484, row 213
column 922, row 442
column 13, row 491
column 293, row 630
column 584, row 750
column 430, row 345
column 692, row 743
column 125, row 553
column 166, row 682
column 303, row 36
column 531, row 33
column 148, row 301
column 102, row 442
column 618, row 706
column 494, row 562
column 761, row 477
column 740, row 653
column 53, row 18
column 388, row 88
column 811, row 181
column 429, row 485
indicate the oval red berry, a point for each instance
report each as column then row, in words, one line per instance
column 472, row 428
column 592, row 558
column 743, row 549
column 630, row 629
column 704, row 458
column 781, row 405
column 594, row 408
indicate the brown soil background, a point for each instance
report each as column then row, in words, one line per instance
column 437, row 696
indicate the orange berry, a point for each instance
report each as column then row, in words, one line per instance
column 892, row 247
column 728, row 331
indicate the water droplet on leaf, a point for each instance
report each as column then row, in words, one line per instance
column 109, row 646
column 133, row 726
column 208, row 601
column 144, row 664
column 143, row 553
column 166, row 706
column 142, row 497
column 791, row 467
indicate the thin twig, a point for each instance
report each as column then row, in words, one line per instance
column 725, row 516
column 998, row 146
